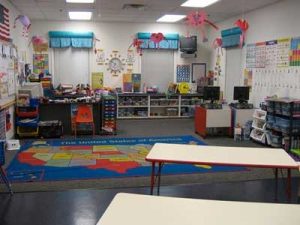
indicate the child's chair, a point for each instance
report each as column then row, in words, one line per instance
column 84, row 115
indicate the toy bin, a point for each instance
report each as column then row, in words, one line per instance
column 50, row 129
column 270, row 106
column 27, row 111
column 278, row 108
column 271, row 120
column 276, row 140
column 28, row 131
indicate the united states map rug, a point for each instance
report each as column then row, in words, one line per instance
column 53, row 160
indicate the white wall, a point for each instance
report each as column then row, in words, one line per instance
column 118, row 36
column 275, row 21
column 22, row 47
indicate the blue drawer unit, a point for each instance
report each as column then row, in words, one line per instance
column 109, row 115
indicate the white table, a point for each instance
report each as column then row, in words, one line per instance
column 217, row 155
column 133, row 209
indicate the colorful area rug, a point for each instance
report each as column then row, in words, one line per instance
column 96, row 158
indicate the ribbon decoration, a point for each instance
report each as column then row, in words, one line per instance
column 25, row 21
column 200, row 19
column 217, row 44
column 157, row 38
column 243, row 25
column 137, row 44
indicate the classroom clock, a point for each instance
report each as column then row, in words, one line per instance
column 115, row 64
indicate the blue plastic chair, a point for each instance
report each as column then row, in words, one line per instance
column 2, row 162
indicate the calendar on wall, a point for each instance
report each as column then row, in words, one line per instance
column 183, row 73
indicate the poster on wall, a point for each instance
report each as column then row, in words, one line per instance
column 130, row 57
column 283, row 51
column 248, row 75
column 183, row 73
column 100, row 56
column 295, row 52
column 136, row 82
column 271, row 51
column 40, row 63
column 127, row 82
column 250, row 56
column 97, row 80
column 260, row 54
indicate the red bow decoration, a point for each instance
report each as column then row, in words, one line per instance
column 243, row 25
column 137, row 44
column 157, row 38
column 199, row 19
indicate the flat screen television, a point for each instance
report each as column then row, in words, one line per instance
column 241, row 93
column 188, row 44
column 211, row 93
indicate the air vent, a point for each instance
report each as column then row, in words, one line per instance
column 134, row 6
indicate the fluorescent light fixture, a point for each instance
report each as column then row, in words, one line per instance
column 80, row 1
column 80, row 15
column 199, row 3
column 170, row 18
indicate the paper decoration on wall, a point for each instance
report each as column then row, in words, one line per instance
column 130, row 57
column 4, row 24
column 183, row 73
column 283, row 51
column 183, row 87
column 3, row 90
column 40, row 63
column 295, row 52
column 157, row 38
column 97, row 80
column 25, row 21
column 199, row 19
column 248, row 75
column 127, row 82
column 100, row 56
column 115, row 63
column 260, row 55
column 137, row 45
column 39, row 43
column 217, row 44
column 243, row 25
column 217, row 69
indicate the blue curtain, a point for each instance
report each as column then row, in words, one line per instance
column 65, row 39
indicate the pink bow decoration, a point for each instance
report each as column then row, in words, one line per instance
column 243, row 25
column 199, row 19
column 25, row 21
column 157, row 38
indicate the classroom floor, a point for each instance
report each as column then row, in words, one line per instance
column 85, row 207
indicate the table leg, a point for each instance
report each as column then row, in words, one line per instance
column 289, row 184
column 152, row 178
column 5, row 180
column 276, row 184
column 160, row 165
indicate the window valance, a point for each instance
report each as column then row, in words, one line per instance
column 170, row 41
column 65, row 39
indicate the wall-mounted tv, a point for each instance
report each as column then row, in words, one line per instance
column 188, row 44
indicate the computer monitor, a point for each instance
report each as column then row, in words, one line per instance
column 211, row 93
column 241, row 94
